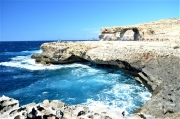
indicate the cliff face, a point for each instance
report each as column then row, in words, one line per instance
column 167, row 29
column 156, row 63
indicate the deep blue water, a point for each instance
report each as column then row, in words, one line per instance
column 76, row 83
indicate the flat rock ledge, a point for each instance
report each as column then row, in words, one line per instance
column 155, row 64
column 9, row 109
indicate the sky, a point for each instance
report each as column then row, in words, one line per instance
column 34, row 20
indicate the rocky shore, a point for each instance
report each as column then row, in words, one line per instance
column 10, row 109
column 156, row 64
column 152, row 56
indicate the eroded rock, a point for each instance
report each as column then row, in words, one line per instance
column 7, row 104
column 53, row 110
column 155, row 63
column 162, row 30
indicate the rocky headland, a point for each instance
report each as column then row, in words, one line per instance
column 162, row 30
column 156, row 64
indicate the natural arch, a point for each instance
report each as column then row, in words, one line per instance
column 136, row 36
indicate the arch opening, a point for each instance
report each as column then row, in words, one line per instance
column 130, row 34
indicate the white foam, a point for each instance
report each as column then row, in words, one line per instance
column 110, row 81
column 71, row 99
column 32, row 51
column 22, row 52
column 119, row 97
column 105, row 101
column 45, row 92
column 146, row 95
column 99, row 106
column 27, row 62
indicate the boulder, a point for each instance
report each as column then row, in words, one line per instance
column 53, row 109
column 6, row 105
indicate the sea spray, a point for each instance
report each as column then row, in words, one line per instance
column 77, row 83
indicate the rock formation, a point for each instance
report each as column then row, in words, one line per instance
column 155, row 63
column 167, row 29
column 9, row 109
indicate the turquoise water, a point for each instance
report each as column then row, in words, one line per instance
column 77, row 83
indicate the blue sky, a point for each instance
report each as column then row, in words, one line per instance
column 26, row 20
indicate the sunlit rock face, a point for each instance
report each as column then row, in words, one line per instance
column 166, row 29
column 55, row 109
column 157, row 63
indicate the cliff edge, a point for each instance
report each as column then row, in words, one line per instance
column 162, row 30
column 155, row 63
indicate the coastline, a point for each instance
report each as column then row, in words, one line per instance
column 149, row 60
column 151, row 55
column 53, row 109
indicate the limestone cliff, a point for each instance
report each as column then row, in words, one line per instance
column 156, row 63
column 167, row 29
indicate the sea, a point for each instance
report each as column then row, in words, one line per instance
column 84, row 83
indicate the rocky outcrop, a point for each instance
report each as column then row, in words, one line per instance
column 55, row 55
column 167, row 29
column 55, row 110
column 6, row 105
column 155, row 63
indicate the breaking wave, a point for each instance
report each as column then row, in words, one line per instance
column 76, row 83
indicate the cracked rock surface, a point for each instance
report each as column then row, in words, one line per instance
column 54, row 110
column 156, row 63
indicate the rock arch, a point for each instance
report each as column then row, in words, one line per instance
column 154, row 31
column 136, row 35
